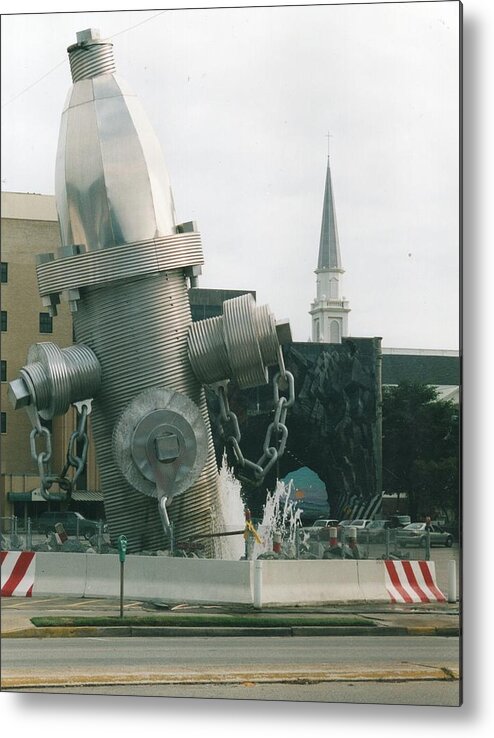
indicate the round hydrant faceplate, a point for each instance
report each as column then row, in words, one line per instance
column 160, row 442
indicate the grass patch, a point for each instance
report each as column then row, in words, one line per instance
column 184, row 621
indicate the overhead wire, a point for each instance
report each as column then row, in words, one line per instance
column 33, row 84
column 130, row 28
column 63, row 61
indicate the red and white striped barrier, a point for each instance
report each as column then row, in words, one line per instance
column 261, row 582
column 17, row 573
column 412, row 581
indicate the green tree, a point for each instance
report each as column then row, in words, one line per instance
column 421, row 448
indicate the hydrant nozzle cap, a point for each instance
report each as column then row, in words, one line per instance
column 90, row 34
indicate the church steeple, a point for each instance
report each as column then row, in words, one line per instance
column 329, row 246
column 329, row 312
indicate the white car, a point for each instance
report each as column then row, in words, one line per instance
column 360, row 524
column 325, row 523
column 416, row 534
column 376, row 530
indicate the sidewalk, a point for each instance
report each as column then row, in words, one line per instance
column 441, row 619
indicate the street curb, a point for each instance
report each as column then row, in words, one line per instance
column 409, row 674
column 233, row 631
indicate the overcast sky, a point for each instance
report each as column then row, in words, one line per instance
column 241, row 101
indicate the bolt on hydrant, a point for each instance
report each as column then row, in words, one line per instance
column 138, row 365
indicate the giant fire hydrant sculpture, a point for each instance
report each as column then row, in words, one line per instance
column 125, row 268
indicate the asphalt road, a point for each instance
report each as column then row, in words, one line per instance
column 241, row 668
column 444, row 694
column 39, row 654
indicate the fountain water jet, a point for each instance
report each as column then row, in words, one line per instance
column 228, row 515
column 280, row 515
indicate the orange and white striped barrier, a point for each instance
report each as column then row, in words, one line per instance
column 17, row 573
column 412, row 581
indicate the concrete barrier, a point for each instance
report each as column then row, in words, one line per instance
column 189, row 580
column 261, row 583
column 17, row 573
column 257, row 583
column 170, row 579
column 372, row 580
column 452, row 581
column 103, row 576
column 308, row 582
column 60, row 573
column 412, row 581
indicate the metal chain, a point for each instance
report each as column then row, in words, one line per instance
column 42, row 458
column 276, row 434
column 73, row 459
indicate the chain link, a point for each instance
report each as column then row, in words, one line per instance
column 80, row 434
column 276, row 434
column 73, row 459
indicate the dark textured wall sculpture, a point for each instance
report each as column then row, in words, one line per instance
column 334, row 426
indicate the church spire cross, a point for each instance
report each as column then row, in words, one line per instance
column 328, row 136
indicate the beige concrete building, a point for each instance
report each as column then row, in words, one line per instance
column 29, row 226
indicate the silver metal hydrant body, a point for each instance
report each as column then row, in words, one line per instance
column 114, row 200
column 125, row 267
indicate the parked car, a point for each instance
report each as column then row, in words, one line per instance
column 416, row 534
column 360, row 524
column 325, row 523
column 73, row 522
column 322, row 528
column 399, row 521
column 341, row 527
column 376, row 530
column 344, row 523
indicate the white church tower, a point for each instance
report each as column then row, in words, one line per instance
column 329, row 311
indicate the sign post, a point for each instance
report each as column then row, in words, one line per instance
column 122, row 550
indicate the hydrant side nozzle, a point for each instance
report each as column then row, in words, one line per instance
column 19, row 394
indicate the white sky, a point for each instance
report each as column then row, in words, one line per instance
column 241, row 100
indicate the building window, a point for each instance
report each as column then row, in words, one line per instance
column 317, row 334
column 334, row 332
column 3, row 422
column 3, row 320
column 3, row 371
column 4, row 271
column 45, row 323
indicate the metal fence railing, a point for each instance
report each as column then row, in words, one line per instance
column 393, row 544
column 315, row 543
column 25, row 535
column 309, row 543
column 8, row 525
